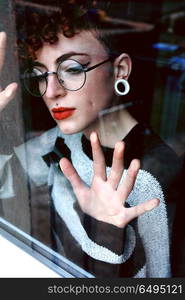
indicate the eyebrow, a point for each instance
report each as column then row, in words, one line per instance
column 62, row 58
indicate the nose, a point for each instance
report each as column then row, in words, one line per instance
column 54, row 88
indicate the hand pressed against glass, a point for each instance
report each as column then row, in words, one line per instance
column 106, row 197
column 9, row 92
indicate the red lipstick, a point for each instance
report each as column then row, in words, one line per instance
column 61, row 113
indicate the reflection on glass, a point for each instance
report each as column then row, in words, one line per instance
column 100, row 183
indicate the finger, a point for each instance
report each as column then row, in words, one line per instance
column 7, row 95
column 117, row 165
column 142, row 208
column 127, row 185
column 2, row 48
column 98, row 157
column 70, row 173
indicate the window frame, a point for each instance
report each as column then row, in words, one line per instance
column 41, row 252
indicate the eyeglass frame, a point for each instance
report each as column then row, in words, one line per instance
column 85, row 70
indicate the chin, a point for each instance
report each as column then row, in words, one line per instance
column 68, row 129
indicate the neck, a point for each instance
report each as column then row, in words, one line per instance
column 112, row 127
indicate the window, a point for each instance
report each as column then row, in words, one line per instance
column 137, row 41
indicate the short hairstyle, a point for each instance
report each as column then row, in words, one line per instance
column 39, row 24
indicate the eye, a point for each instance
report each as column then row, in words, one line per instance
column 70, row 68
column 74, row 69
column 38, row 75
column 40, row 78
column 34, row 74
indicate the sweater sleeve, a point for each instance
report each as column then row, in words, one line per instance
column 107, row 251
column 101, row 233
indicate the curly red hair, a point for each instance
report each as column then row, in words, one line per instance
column 41, row 24
column 38, row 24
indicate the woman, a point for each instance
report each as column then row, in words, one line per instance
column 101, row 217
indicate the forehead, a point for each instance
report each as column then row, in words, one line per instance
column 83, row 42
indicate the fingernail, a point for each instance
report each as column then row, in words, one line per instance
column 93, row 137
column 119, row 146
column 2, row 35
column 135, row 165
column 156, row 202
column 153, row 203
column 9, row 93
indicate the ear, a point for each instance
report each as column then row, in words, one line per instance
column 122, row 66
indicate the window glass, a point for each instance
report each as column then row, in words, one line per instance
column 92, row 134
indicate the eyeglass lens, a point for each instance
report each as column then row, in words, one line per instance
column 70, row 75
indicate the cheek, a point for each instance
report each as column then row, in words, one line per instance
column 99, row 93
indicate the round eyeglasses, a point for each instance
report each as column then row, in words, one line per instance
column 70, row 73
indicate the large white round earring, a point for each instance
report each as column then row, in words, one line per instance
column 126, row 87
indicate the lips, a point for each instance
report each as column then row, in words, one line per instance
column 61, row 113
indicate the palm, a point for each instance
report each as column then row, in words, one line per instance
column 106, row 197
